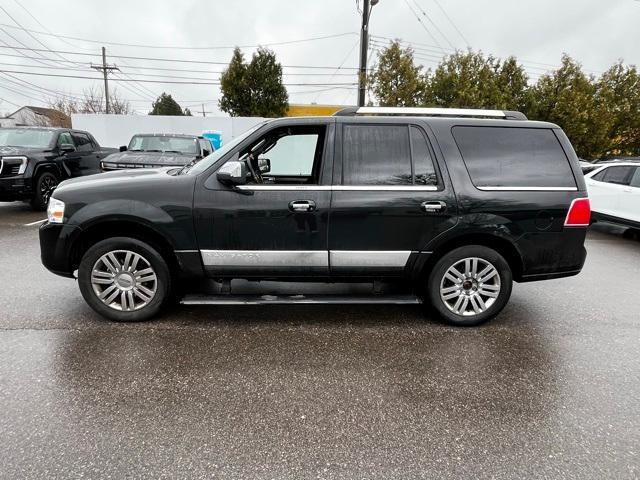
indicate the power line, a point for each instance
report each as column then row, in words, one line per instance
column 466, row 42
column 173, row 47
column 173, row 60
column 415, row 14
column 9, row 101
column 28, row 32
column 156, row 81
column 433, row 23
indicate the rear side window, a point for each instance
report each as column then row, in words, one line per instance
column 82, row 141
column 387, row 155
column 635, row 180
column 376, row 155
column 619, row 175
column 514, row 157
column 423, row 165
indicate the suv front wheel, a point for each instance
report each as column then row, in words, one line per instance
column 44, row 186
column 124, row 279
column 470, row 285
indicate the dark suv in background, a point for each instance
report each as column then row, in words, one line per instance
column 156, row 150
column 448, row 205
column 33, row 160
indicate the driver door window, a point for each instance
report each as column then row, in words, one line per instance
column 293, row 156
column 65, row 138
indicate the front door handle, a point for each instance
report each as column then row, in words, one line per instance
column 302, row 206
column 433, row 207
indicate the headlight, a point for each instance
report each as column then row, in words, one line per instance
column 55, row 211
column 13, row 165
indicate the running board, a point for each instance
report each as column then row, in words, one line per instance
column 299, row 299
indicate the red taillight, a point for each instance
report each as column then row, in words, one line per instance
column 579, row 214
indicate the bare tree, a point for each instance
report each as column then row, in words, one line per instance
column 92, row 101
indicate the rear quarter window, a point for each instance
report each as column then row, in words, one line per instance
column 514, row 157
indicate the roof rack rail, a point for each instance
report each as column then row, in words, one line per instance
column 430, row 112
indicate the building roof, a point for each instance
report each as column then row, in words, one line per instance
column 47, row 112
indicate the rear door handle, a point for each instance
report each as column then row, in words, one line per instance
column 302, row 206
column 433, row 207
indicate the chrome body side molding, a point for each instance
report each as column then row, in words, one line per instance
column 368, row 259
column 265, row 258
column 341, row 259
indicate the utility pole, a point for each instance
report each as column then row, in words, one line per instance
column 105, row 70
column 364, row 47
column 203, row 114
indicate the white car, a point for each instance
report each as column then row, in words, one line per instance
column 614, row 192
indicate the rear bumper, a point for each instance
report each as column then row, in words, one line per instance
column 56, row 241
column 548, row 255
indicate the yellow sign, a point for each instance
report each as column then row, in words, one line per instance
column 313, row 110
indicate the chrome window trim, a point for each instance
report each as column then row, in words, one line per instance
column 341, row 188
column 529, row 189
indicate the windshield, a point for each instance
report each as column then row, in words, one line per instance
column 155, row 143
column 206, row 162
column 25, row 137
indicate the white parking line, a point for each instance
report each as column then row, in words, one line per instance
column 35, row 223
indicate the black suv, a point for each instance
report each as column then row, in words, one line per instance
column 452, row 204
column 34, row 160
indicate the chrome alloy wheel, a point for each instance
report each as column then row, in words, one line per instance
column 124, row 280
column 470, row 286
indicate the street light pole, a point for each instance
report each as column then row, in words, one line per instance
column 364, row 47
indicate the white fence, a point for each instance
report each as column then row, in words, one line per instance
column 116, row 130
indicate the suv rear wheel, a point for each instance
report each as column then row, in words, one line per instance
column 470, row 285
column 124, row 279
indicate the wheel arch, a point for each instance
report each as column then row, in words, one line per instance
column 503, row 246
column 110, row 228
column 48, row 167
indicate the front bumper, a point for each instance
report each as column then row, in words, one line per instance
column 56, row 247
column 14, row 188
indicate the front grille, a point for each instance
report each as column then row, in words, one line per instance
column 128, row 166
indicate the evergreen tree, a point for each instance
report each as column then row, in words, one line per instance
column 397, row 81
column 253, row 89
column 166, row 105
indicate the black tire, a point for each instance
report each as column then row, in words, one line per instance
column 43, row 187
column 501, row 282
column 149, row 255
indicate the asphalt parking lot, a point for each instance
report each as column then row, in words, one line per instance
column 549, row 389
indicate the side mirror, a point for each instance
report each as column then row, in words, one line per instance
column 233, row 173
column 66, row 148
column 264, row 164
column 123, row 148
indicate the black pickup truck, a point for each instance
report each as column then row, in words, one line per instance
column 156, row 150
column 451, row 205
column 34, row 160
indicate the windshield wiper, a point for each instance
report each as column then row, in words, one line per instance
column 159, row 151
column 136, row 150
column 172, row 151
column 187, row 167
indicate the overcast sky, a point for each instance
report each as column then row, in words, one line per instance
column 595, row 32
